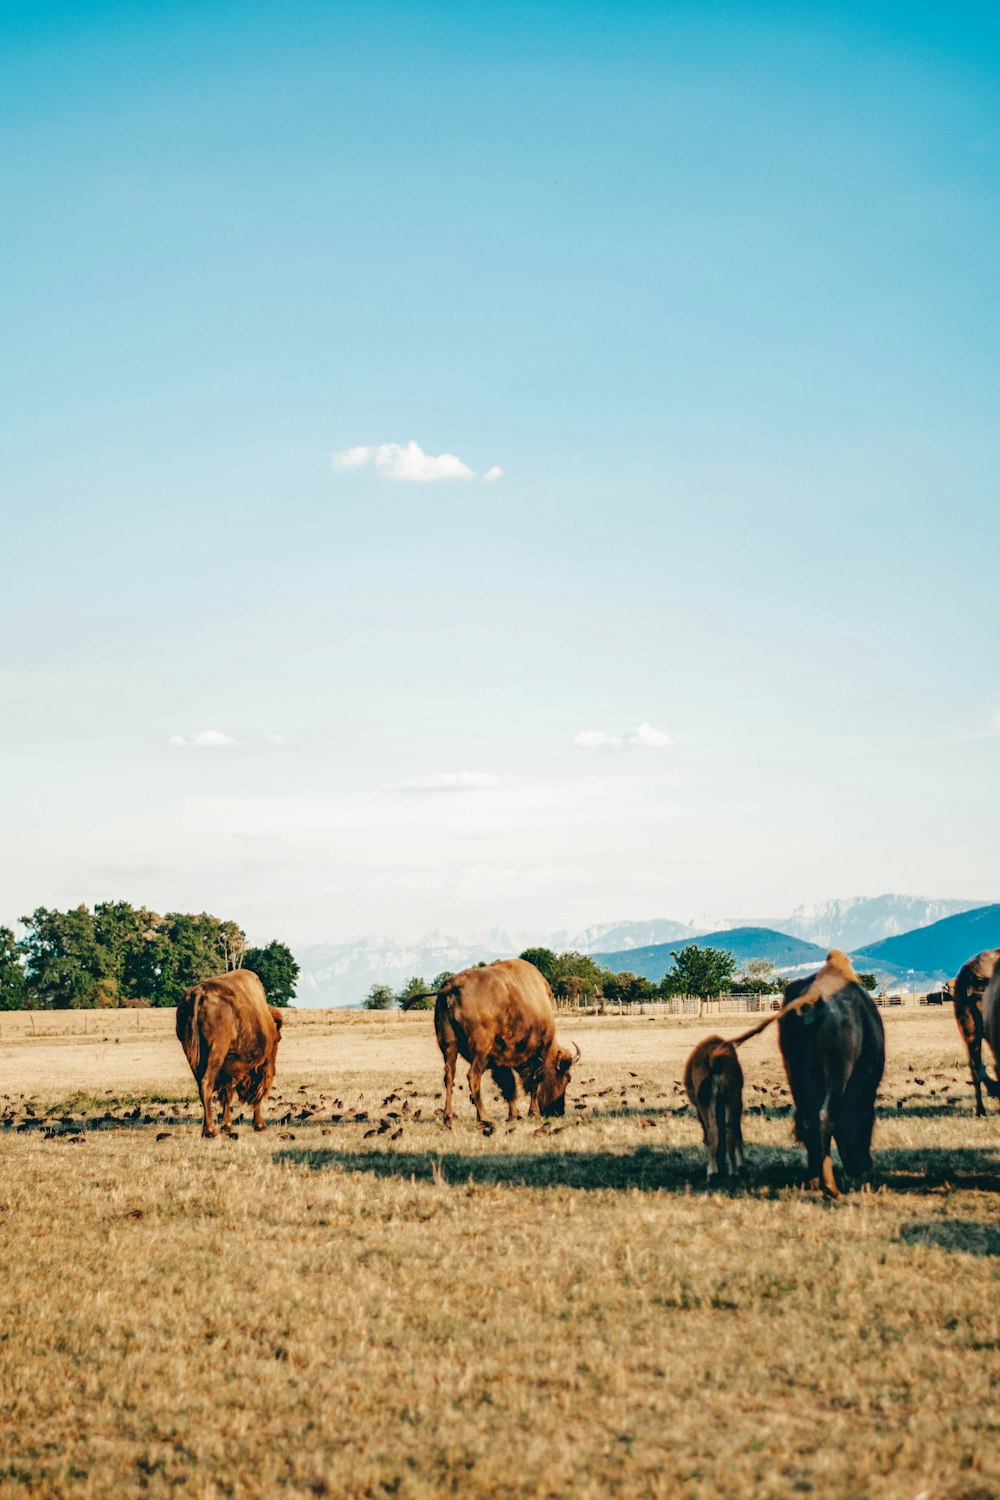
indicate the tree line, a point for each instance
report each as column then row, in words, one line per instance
column 578, row 979
column 119, row 954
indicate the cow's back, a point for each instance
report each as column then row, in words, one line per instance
column 974, row 976
column 231, row 1007
column 510, row 998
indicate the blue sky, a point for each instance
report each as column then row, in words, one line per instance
column 715, row 287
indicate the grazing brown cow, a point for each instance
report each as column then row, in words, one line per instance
column 713, row 1079
column 833, row 1046
column 230, row 1037
column 966, row 991
column 501, row 1018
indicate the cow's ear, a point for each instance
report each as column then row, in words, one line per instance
column 566, row 1061
column 277, row 1017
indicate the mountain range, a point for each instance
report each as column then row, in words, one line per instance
column 338, row 974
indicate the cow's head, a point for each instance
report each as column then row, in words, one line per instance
column 551, row 1094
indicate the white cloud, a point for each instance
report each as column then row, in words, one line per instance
column 450, row 781
column 274, row 739
column 597, row 739
column 648, row 738
column 204, row 739
column 351, row 458
column 403, row 462
column 643, row 737
column 493, row 474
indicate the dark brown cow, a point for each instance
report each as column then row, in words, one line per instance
column 230, row 1037
column 713, row 1079
column 991, row 1031
column 501, row 1018
column 966, row 992
column 834, row 1056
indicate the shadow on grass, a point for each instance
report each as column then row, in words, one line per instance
column 679, row 1170
column 968, row 1235
column 675, row 1169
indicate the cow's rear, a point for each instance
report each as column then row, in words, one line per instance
column 713, row 1079
column 230, row 1037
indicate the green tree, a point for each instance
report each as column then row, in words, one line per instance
column 64, row 961
column 703, row 972
column 126, row 934
column 418, row 987
column 440, row 980
column 869, row 982
column 276, row 969
column 544, row 960
column 576, row 978
column 757, row 976
column 13, row 984
column 187, row 948
column 379, row 997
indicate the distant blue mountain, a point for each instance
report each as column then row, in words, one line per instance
column 744, row 943
column 938, row 951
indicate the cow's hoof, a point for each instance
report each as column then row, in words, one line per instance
column 488, row 1127
column 812, row 1185
column 209, row 1135
column 259, row 1127
column 233, row 1135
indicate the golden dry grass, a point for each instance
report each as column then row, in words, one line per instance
column 543, row 1312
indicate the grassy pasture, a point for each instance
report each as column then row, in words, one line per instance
column 547, row 1311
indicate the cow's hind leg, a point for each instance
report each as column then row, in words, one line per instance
column 226, row 1095
column 828, row 1114
column 974, row 1041
column 734, row 1134
column 506, row 1082
column 477, row 1067
column 206, row 1084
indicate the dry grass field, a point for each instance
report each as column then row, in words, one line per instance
column 561, row 1310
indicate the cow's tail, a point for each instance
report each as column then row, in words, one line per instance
column 793, row 1006
column 188, row 1027
column 411, row 1000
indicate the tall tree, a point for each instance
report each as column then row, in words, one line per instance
column 702, row 972
column 276, row 969
column 13, row 984
column 416, row 987
column 126, row 933
column 543, row 959
column 379, row 997
column 187, row 949
column 65, row 963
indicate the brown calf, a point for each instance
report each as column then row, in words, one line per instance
column 713, row 1079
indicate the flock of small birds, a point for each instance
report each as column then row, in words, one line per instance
column 387, row 1118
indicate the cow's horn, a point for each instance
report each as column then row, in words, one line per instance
column 576, row 1049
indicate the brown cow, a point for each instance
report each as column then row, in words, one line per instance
column 230, row 1037
column 501, row 1018
column 713, row 1079
column 966, row 992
